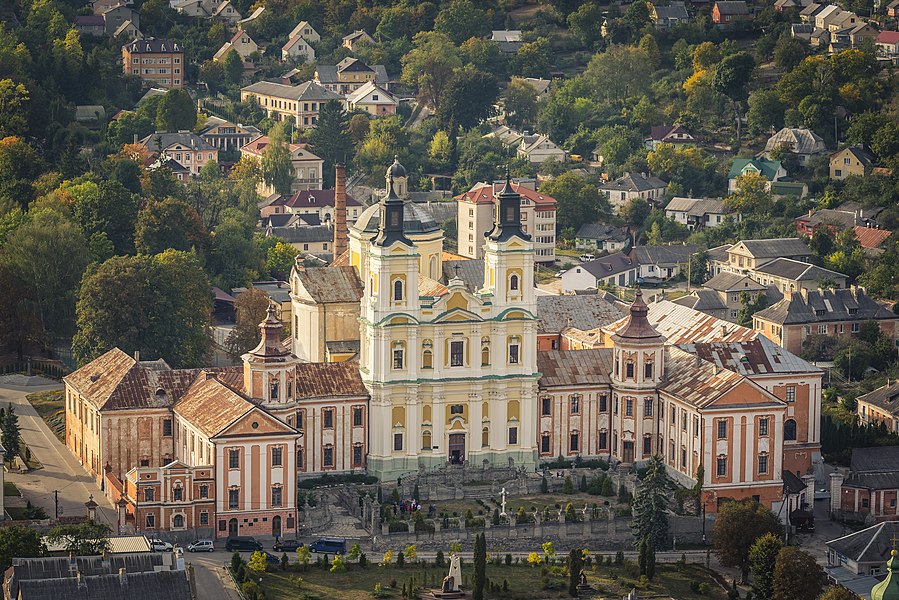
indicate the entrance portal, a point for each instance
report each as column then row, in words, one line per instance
column 276, row 526
column 628, row 454
column 232, row 528
column 457, row 448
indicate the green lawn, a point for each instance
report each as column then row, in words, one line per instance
column 10, row 489
column 524, row 582
column 51, row 408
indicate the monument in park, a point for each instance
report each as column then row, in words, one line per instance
column 451, row 586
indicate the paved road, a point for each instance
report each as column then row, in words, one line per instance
column 61, row 471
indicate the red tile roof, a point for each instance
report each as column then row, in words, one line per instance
column 484, row 194
column 888, row 37
column 869, row 237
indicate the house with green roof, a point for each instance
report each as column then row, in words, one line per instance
column 771, row 170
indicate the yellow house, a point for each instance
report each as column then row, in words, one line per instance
column 854, row 160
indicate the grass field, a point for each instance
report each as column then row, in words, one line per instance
column 524, row 582
column 51, row 408
column 10, row 489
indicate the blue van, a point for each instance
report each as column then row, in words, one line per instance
column 328, row 545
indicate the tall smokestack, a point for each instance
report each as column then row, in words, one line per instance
column 340, row 229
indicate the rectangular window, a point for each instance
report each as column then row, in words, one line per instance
column 603, row 440
column 299, row 420
column 763, row 464
column 647, row 408
column 328, row 419
column 695, row 426
column 397, row 359
column 603, row 403
column 167, row 427
column 575, row 442
column 513, row 436
column 722, row 466
column 178, row 494
column 151, row 521
column 822, row 329
column 328, row 457
column 575, row 404
column 683, row 420
column 234, row 459
column 513, row 354
column 276, row 496
column 204, row 491
column 397, row 441
column 791, row 393
column 722, row 429
column 647, row 445
column 149, row 495
column 357, row 416
column 233, row 499
column 629, row 370
column 647, row 371
column 628, row 407
column 763, row 427
column 546, row 406
column 854, row 328
column 457, row 354
column 277, row 456
column 357, row 456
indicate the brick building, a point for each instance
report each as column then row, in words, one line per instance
column 160, row 63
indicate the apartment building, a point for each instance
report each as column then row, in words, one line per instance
column 299, row 103
column 159, row 63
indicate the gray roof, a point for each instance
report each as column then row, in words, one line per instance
column 328, row 73
column 152, row 46
column 732, row 7
column 729, row 282
column 796, row 270
column 613, row 264
column 664, row 255
column 304, row 91
column 676, row 10
column 633, row 182
column 822, row 306
column 702, row 300
column 887, row 398
column 871, row 545
column 303, row 234
column 880, row 458
column 469, row 271
column 698, row 207
column 555, row 313
column 146, row 577
column 718, row 253
column 574, row 367
column 602, row 232
column 417, row 219
column 776, row 247
column 164, row 139
column 799, row 141
column 760, row 356
column 331, row 284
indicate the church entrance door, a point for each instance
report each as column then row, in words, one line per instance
column 457, row 448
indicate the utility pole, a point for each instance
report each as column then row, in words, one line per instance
column 56, row 503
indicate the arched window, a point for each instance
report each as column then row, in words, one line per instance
column 178, row 522
column 426, row 440
column 398, row 290
column 485, row 437
column 433, row 268
column 789, row 430
column 485, row 356
column 427, row 360
column 513, row 283
column 177, row 493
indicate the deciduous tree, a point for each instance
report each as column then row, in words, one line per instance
column 738, row 525
column 83, row 539
column 277, row 169
column 251, row 307
column 18, row 542
column 171, row 223
column 578, row 202
column 762, row 559
column 430, row 65
column 520, row 104
column 797, row 575
column 176, row 112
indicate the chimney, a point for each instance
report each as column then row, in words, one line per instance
column 137, row 355
column 340, row 229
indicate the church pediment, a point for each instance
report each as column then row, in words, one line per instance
column 256, row 422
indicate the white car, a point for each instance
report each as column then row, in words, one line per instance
column 201, row 546
column 160, row 546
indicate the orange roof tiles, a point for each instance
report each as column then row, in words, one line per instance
column 870, row 237
column 319, row 380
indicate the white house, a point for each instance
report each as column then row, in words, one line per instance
column 617, row 269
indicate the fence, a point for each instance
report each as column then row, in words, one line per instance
column 49, row 368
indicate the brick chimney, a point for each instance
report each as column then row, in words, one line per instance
column 340, row 229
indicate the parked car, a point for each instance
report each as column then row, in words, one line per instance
column 328, row 545
column 287, row 546
column 271, row 559
column 201, row 546
column 242, row 544
column 159, row 546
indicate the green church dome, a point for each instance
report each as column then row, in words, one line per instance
column 888, row 589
